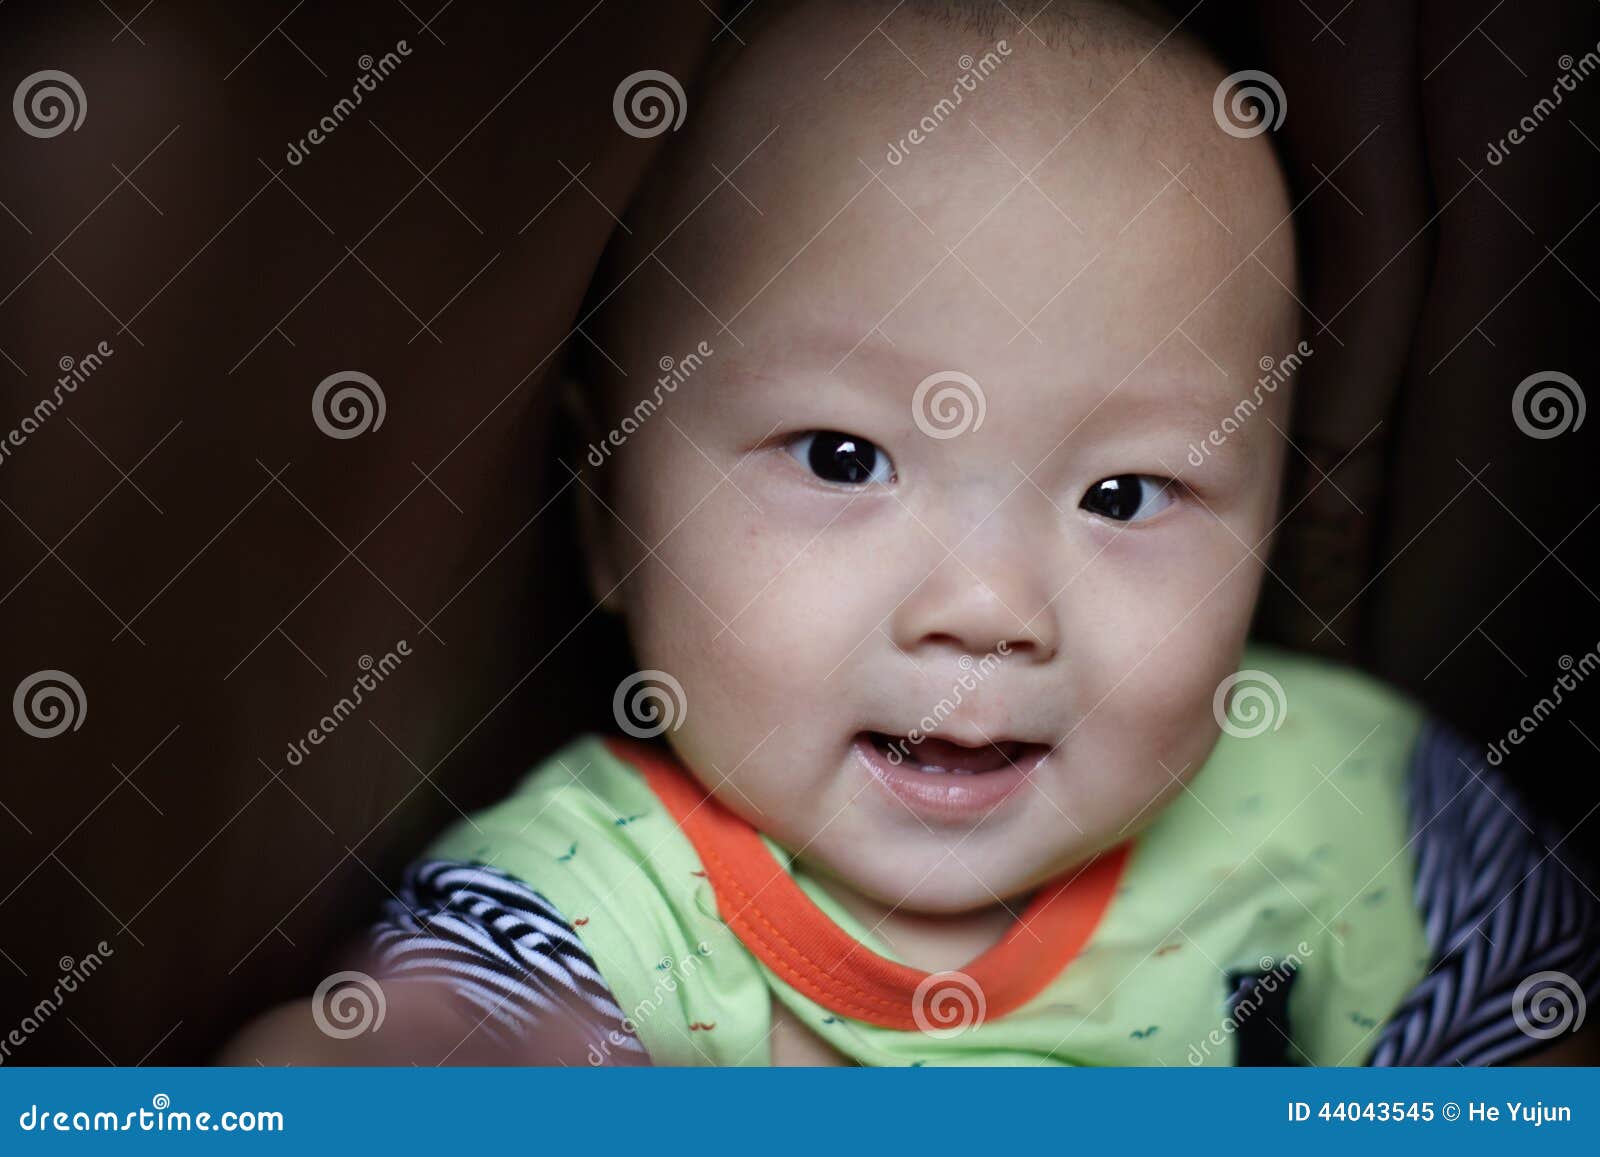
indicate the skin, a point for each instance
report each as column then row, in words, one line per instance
column 797, row 613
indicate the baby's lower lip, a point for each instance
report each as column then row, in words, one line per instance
column 944, row 782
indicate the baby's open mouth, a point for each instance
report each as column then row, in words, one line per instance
column 946, row 757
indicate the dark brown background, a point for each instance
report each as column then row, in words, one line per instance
column 184, row 541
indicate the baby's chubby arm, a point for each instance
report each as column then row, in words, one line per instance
column 466, row 965
column 422, row 1024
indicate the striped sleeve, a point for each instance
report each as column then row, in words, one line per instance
column 1511, row 916
column 505, row 953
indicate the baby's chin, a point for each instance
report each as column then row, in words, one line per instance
column 936, row 883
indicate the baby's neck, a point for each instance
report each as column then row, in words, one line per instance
column 933, row 943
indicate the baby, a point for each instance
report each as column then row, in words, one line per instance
column 892, row 396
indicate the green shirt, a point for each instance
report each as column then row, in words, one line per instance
column 1289, row 849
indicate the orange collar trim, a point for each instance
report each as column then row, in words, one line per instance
column 788, row 932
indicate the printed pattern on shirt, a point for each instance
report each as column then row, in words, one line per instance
column 510, row 959
column 1515, row 934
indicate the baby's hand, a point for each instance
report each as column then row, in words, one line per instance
column 376, row 1019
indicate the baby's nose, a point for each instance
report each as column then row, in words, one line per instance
column 1003, row 609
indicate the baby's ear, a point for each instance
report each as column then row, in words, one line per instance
column 588, row 444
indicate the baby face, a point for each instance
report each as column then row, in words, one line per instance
column 918, row 528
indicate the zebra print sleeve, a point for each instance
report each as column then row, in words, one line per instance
column 1513, row 926
column 505, row 953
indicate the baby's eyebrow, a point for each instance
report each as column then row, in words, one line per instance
column 1181, row 403
column 1217, row 425
column 750, row 375
column 1181, row 400
column 743, row 370
column 845, row 353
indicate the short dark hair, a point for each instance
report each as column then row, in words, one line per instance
column 1053, row 21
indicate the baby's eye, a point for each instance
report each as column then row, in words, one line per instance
column 1128, row 497
column 843, row 459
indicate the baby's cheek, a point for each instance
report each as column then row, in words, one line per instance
column 1147, row 701
column 1132, row 754
column 1166, row 703
column 807, row 605
column 717, row 623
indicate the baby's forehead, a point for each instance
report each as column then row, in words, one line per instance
column 932, row 184
column 832, row 362
column 823, row 95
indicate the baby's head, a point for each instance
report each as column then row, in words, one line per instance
column 953, row 312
